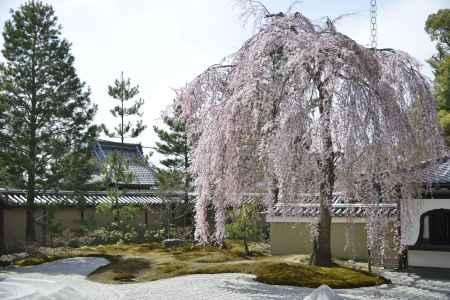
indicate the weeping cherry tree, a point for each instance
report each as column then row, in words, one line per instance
column 305, row 110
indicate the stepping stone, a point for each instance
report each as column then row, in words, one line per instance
column 170, row 243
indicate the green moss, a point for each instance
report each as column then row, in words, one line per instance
column 148, row 262
column 245, row 267
column 124, row 277
column 312, row 276
column 121, row 269
column 174, row 267
column 31, row 261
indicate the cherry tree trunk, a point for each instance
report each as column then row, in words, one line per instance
column 322, row 241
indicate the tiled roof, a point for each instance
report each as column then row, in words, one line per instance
column 17, row 198
column 437, row 174
column 336, row 210
column 143, row 173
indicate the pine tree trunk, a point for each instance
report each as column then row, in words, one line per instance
column 30, row 233
column 322, row 256
column 187, row 213
column 247, row 251
column 44, row 226
column 122, row 113
column 82, row 214
column 2, row 227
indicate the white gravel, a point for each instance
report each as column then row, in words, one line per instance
column 66, row 279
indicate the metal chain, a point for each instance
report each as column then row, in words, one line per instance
column 373, row 24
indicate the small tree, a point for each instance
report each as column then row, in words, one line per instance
column 246, row 225
column 123, row 91
column 117, row 173
column 50, row 225
column 173, row 145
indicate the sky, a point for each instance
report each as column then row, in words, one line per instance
column 161, row 45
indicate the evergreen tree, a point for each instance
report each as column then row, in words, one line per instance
column 76, row 171
column 438, row 27
column 174, row 146
column 116, row 171
column 123, row 91
column 46, row 109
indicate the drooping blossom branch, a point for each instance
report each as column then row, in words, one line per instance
column 302, row 108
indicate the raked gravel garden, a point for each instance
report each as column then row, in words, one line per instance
column 66, row 279
column 150, row 272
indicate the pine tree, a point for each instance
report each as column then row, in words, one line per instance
column 46, row 109
column 174, row 146
column 116, row 171
column 123, row 91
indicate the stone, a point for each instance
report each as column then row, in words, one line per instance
column 170, row 243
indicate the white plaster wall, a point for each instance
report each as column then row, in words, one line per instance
column 434, row 259
column 411, row 212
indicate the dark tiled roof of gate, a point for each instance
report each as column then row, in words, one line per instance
column 18, row 198
column 143, row 173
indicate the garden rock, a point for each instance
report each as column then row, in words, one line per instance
column 170, row 243
column 323, row 292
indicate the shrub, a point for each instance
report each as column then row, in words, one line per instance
column 246, row 224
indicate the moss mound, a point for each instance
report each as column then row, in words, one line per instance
column 32, row 261
column 121, row 270
column 313, row 277
column 148, row 262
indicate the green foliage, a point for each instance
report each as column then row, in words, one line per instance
column 173, row 143
column 438, row 27
column 88, row 224
column 117, row 172
column 50, row 226
column 45, row 110
column 120, row 218
column 174, row 147
column 246, row 224
column 174, row 176
column 123, row 91
column 442, row 83
column 108, row 235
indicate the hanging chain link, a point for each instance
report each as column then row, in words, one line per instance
column 373, row 24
